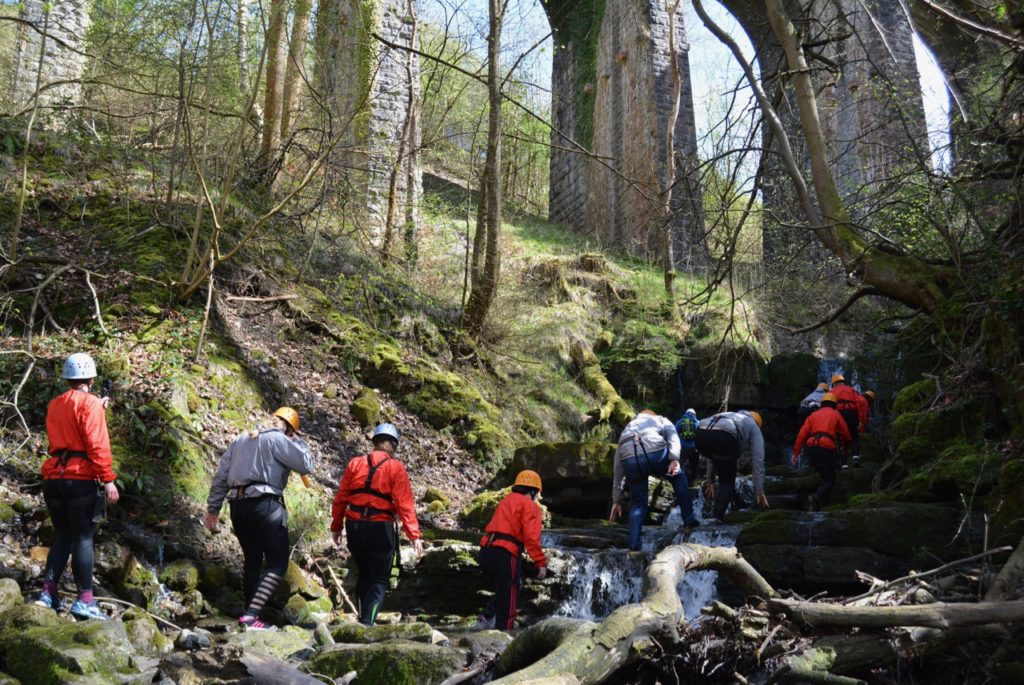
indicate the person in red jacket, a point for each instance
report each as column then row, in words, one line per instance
column 515, row 526
column 77, row 482
column 374, row 490
column 822, row 438
column 851, row 406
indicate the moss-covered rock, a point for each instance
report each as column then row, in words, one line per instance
column 307, row 612
column 790, row 376
column 357, row 633
column 279, row 644
column 1006, row 503
column 181, row 575
column 444, row 565
column 435, row 494
column 26, row 616
column 366, row 407
column 436, row 507
column 480, row 509
column 10, row 595
column 577, row 476
column 62, row 653
column 7, row 513
column 397, row 662
column 915, row 397
column 298, row 582
column 144, row 634
column 138, row 584
column 8, row 680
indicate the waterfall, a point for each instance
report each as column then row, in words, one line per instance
column 600, row 581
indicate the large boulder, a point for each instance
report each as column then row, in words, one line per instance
column 577, row 476
column 350, row 633
column 181, row 575
column 278, row 644
column 790, row 376
column 10, row 595
column 811, row 552
column 395, row 662
column 427, row 589
column 712, row 374
column 94, row 651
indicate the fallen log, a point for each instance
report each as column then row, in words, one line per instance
column 1008, row 580
column 937, row 615
column 592, row 652
column 613, row 408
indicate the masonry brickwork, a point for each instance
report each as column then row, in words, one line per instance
column 62, row 66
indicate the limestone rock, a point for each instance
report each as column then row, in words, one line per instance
column 577, row 476
column 10, row 595
column 366, row 407
column 190, row 640
column 138, row 584
column 98, row 650
column 357, row 633
column 298, row 582
column 144, row 634
column 279, row 644
column 181, row 575
column 396, row 662
column 435, row 494
column 307, row 612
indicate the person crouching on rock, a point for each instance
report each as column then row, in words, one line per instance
column 253, row 474
column 648, row 446
column 515, row 526
column 374, row 489
column 726, row 439
column 821, row 439
column 77, row 482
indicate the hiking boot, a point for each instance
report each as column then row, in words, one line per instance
column 50, row 602
column 252, row 623
column 88, row 610
column 856, row 461
column 813, row 503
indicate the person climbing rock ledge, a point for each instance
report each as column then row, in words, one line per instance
column 822, row 439
column 514, row 527
column 253, row 474
column 374, row 489
column 648, row 446
column 77, row 483
column 726, row 439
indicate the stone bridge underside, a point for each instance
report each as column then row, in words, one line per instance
column 612, row 89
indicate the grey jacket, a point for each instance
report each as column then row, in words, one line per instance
column 645, row 433
column 813, row 398
column 751, row 442
column 261, row 465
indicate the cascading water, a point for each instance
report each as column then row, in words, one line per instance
column 602, row 580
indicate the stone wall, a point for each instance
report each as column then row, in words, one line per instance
column 65, row 29
column 367, row 87
column 616, row 196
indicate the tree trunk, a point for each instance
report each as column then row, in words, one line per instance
column 295, row 75
column 667, row 188
column 592, row 653
column 1006, row 583
column 242, row 48
column 612, row 408
column 484, row 290
column 900, row 276
column 937, row 615
column 277, row 56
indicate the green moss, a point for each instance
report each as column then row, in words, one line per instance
column 397, row 662
column 351, row 633
column 915, row 396
column 57, row 654
column 181, row 575
column 1006, row 503
column 435, row 494
column 577, row 26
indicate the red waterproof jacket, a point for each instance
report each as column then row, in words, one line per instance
column 847, row 397
column 517, row 517
column 862, row 412
column 824, row 428
column 386, row 495
column 76, row 421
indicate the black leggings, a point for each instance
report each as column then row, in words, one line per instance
column 505, row 570
column 825, row 461
column 75, row 508
column 261, row 525
column 373, row 545
column 723, row 449
column 852, row 419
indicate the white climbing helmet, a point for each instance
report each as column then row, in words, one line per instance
column 387, row 430
column 79, row 366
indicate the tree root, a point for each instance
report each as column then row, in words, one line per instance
column 613, row 408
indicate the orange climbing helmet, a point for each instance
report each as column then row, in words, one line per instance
column 290, row 416
column 530, row 479
column 822, row 386
column 756, row 416
column 838, row 378
column 829, row 397
column 871, row 395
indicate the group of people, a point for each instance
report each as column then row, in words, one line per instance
column 831, row 421
column 373, row 496
column 651, row 445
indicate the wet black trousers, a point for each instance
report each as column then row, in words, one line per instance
column 373, row 545
column 853, row 423
column 75, row 508
column 825, row 461
column 723, row 449
column 505, row 570
column 261, row 525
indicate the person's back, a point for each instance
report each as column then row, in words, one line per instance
column 729, row 439
column 811, row 402
column 821, row 439
column 686, row 428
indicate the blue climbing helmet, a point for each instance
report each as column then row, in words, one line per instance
column 386, row 429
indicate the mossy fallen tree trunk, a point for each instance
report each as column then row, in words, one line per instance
column 937, row 615
column 613, row 408
column 592, row 652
